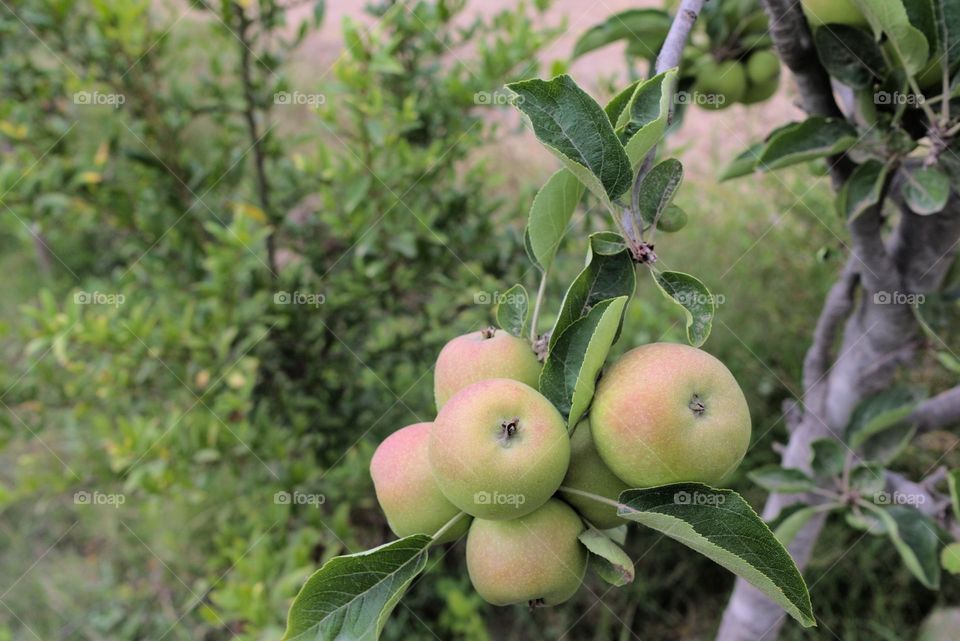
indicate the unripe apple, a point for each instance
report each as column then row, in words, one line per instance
column 489, row 353
column 762, row 66
column 666, row 413
column 406, row 489
column 499, row 449
column 722, row 84
column 589, row 473
column 758, row 92
column 536, row 559
column 821, row 12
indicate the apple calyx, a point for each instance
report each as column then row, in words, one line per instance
column 697, row 406
column 508, row 429
column 535, row 603
column 488, row 332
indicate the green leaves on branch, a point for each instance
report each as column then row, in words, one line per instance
column 513, row 310
column 569, row 375
column 890, row 17
column 926, row 190
column 774, row 478
column 643, row 121
column 880, row 427
column 723, row 527
column 795, row 143
column 657, row 190
column 863, row 190
column 550, row 215
column 575, row 128
column 850, row 55
column 696, row 300
column 608, row 559
column 916, row 539
column 350, row 597
column 644, row 29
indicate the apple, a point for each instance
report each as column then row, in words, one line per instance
column 589, row 473
column 536, row 559
column 720, row 84
column 762, row 66
column 499, row 449
column 758, row 92
column 489, row 353
column 406, row 489
column 666, row 413
column 821, row 12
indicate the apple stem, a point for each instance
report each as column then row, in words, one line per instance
column 589, row 495
column 446, row 526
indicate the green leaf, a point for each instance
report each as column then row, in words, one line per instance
column 695, row 299
column 619, row 102
column 658, row 188
column 645, row 29
column 890, row 17
column 953, row 482
column 745, row 163
column 569, row 376
column 350, row 597
column 863, row 189
column 774, row 478
column 950, row 558
column 868, row 480
column 609, row 273
column 576, row 129
column 642, row 125
column 950, row 362
column 788, row 527
column 926, row 190
column 916, row 539
column 723, row 527
column 513, row 309
column 866, row 522
column 828, row 458
column 609, row 560
column 550, row 215
column 879, row 427
column 850, row 55
column 813, row 138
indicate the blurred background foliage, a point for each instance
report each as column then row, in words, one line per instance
column 228, row 274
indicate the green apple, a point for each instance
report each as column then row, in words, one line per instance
column 406, row 489
column 760, row 91
column 950, row 558
column 499, row 449
column 821, row 12
column 589, row 473
column 536, row 559
column 489, row 353
column 762, row 66
column 719, row 85
column 666, row 413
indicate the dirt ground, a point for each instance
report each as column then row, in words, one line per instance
column 707, row 140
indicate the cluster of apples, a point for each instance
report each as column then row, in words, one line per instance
column 500, row 452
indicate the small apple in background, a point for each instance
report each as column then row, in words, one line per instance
column 499, row 449
column 722, row 83
column 667, row 413
column 406, row 489
column 489, row 353
column 589, row 473
column 536, row 559
column 821, row 12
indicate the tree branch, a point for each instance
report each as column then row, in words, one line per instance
column 943, row 410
